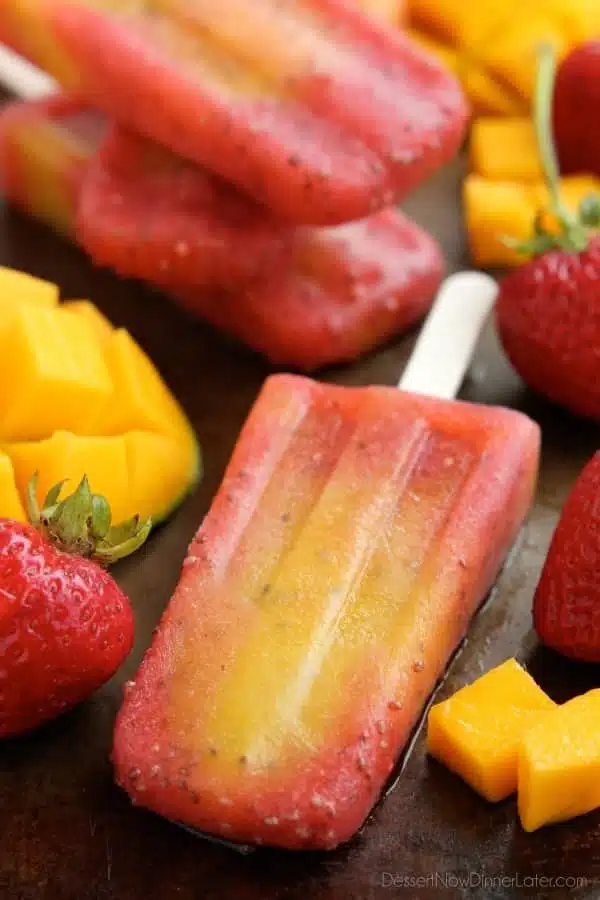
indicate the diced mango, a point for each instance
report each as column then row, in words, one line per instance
column 476, row 732
column 487, row 96
column 505, row 150
column 445, row 54
column 495, row 210
column 579, row 19
column 102, row 326
column 52, row 374
column 458, row 22
column 79, row 397
column 138, row 472
column 559, row 764
column 66, row 455
column 497, row 42
column 573, row 189
column 20, row 287
column 511, row 52
column 10, row 502
column 142, row 400
column 159, row 473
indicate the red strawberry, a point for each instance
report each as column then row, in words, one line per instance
column 576, row 109
column 65, row 626
column 548, row 310
column 566, row 607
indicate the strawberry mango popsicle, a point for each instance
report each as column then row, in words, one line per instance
column 314, row 109
column 328, row 295
column 45, row 150
column 354, row 535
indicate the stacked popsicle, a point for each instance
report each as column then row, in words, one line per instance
column 246, row 163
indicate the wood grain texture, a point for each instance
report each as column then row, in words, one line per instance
column 67, row 833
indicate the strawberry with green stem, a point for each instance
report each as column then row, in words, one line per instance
column 548, row 310
column 566, row 607
column 65, row 625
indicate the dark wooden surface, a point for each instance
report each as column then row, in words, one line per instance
column 67, row 833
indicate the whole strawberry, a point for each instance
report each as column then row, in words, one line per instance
column 566, row 607
column 577, row 108
column 548, row 310
column 65, row 625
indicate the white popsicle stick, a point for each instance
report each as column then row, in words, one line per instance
column 444, row 349
column 23, row 79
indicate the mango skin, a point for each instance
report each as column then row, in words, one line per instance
column 476, row 732
column 80, row 397
column 559, row 764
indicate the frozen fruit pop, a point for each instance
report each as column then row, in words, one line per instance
column 317, row 111
column 140, row 209
column 337, row 293
column 354, row 535
column 347, row 289
column 45, row 149
column 147, row 213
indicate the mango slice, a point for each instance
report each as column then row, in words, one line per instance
column 10, row 501
column 497, row 42
column 559, row 764
column 505, row 149
column 487, row 96
column 20, row 287
column 476, row 732
column 495, row 210
column 446, row 55
column 52, row 374
column 144, row 401
column 70, row 456
column 83, row 308
column 78, row 396
column 159, row 473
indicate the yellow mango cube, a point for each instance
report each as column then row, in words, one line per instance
column 579, row 19
column 159, row 473
column 443, row 53
column 476, row 732
column 85, row 309
column 20, row 287
column 505, row 149
column 52, row 374
column 511, row 52
column 494, row 210
column 459, row 22
column 143, row 401
column 11, row 506
column 70, row 456
column 487, row 96
column 559, row 764
column 573, row 189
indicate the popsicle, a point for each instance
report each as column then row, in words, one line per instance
column 332, row 295
column 45, row 149
column 319, row 112
column 147, row 213
column 354, row 535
